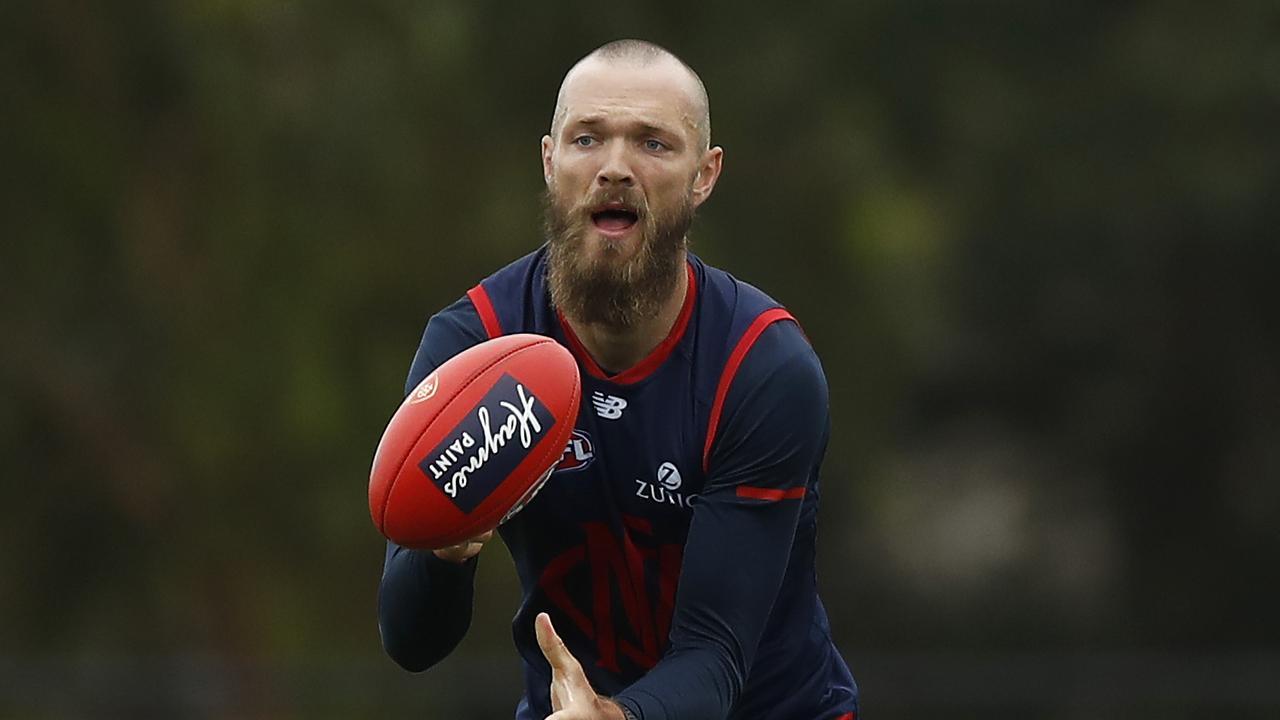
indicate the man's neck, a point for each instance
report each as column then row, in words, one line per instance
column 617, row 349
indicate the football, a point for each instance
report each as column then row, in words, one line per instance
column 474, row 441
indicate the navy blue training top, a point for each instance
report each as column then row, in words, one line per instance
column 673, row 546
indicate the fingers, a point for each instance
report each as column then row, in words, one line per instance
column 552, row 646
column 565, row 671
column 464, row 551
column 570, row 689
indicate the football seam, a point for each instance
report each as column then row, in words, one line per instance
column 391, row 487
column 577, row 387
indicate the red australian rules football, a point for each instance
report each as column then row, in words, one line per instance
column 474, row 441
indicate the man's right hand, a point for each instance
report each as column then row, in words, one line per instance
column 465, row 550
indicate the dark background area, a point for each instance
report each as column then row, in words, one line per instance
column 1033, row 243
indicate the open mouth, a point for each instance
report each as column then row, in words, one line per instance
column 614, row 218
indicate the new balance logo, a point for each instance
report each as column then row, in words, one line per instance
column 609, row 407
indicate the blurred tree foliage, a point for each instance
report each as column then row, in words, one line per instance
column 1034, row 244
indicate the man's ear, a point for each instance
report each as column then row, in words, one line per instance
column 708, row 173
column 548, row 149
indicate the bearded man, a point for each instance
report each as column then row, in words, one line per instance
column 667, row 566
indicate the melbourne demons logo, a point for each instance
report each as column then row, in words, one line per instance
column 632, row 579
column 578, row 453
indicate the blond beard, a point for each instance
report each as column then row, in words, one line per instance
column 603, row 291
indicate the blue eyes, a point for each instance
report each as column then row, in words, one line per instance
column 652, row 145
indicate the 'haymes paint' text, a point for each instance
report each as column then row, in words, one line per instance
column 520, row 421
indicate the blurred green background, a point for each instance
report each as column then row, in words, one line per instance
column 1033, row 243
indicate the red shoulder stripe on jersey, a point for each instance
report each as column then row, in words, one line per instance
column 762, row 321
column 847, row 716
column 771, row 494
column 655, row 358
column 484, row 306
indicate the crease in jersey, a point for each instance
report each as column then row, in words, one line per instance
column 650, row 363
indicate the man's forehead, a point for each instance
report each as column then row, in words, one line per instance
column 662, row 85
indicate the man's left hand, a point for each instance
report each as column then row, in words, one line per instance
column 572, row 697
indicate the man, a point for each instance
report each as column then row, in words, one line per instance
column 668, row 564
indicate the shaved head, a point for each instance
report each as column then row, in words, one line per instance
column 641, row 53
column 627, row 162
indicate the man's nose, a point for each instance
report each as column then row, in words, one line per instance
column 617, row 168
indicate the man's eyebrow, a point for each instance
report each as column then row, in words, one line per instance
column 657, row 129
column 595, row 120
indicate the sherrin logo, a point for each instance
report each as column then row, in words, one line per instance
column 426, row 389
column 494, row 437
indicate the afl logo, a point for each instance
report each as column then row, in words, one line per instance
column 425, row 390
column 578, row 453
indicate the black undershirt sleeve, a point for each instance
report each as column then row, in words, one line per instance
column 424, row 603
column 773, row 431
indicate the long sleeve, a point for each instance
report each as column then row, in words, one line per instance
column 744, row 523
column 424, row 603
column 424, row 606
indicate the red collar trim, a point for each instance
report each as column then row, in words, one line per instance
column 654, row 360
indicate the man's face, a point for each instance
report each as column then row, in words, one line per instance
column 625, row 170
